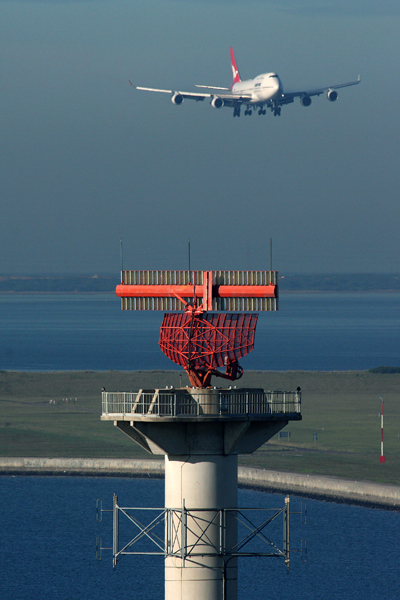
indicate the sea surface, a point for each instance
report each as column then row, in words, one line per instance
column 313, row 332
column 49, row 531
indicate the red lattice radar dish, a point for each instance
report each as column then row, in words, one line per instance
column 207, row 341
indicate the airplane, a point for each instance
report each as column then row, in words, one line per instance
column 262, row 92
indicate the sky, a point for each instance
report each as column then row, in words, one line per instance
column 87, row 160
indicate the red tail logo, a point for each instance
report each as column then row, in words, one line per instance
column 235, row 71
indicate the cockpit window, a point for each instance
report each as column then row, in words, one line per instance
column 274, row 76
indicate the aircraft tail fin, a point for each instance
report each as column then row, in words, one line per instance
column 235, row 71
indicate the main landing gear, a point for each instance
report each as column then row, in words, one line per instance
column 262, row 111
column 247, row 112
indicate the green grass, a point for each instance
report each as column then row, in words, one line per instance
column 342, row 408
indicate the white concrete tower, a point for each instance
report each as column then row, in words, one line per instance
column 201, row 448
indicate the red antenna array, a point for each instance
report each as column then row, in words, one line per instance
column 201, row 343
column 198, row 340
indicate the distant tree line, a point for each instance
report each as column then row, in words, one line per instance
column 55, row 283
column 287, row 283
column 384, row 370
column 358, row 282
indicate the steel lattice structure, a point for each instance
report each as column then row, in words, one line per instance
column 190, row 533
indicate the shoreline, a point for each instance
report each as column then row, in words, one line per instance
column 341, row 407
column 328, row 488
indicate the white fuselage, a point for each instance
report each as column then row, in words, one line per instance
column 264, row 88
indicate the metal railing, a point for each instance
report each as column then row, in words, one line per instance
column 180, row 403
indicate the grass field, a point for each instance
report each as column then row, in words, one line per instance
column 342, row 408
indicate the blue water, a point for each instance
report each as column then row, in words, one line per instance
column 321, row 332
column 48, row 534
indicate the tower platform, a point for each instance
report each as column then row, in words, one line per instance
column 201, row 421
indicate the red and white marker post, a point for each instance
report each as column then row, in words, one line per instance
column 382, row 457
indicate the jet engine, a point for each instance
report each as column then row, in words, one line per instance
column 177, row 98
column 332, row 95
column 305, row 100
column 217, row 102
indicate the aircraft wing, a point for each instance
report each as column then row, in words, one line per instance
column 212, row 87
column 289, row 96
column 229, row 99
column 188, row 95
